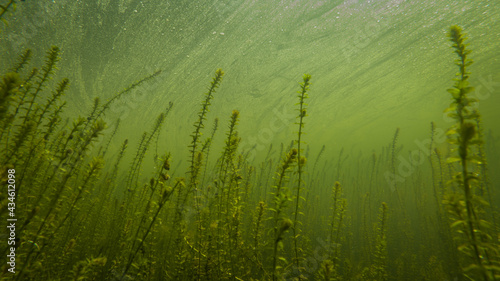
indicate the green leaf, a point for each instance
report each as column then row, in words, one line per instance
column 493, row 268
column 473, row 115
column 471, row 267
column 473, row 177
column 475, row 159
column 452, row 160
column 467, row 90
column 457, row 223
column 463, row 248
column 476, row 142
column 452, row 107
column 484, row 224
column 451, row 132
column 462, row 84
column 455, row 93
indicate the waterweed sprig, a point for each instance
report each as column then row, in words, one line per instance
column 464, row 135
column 164, row 196
column 378, row 270
column 207, row 147
column 9, row 87
column 53, row 121
column 125, row 91
column 56, row 95
column 160, row 180
column 338, row 215
column 91, row 175
column 48, row 71
column 102, row 152
column 61, row 185
column 114, row 172
column 4, row 8
column 135, row 170
column 24, row 59
column 199, row 125
column 280, row 199
column 303, row 95
column 195, row 163
column 167, row 111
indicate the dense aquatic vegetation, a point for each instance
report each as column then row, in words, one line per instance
column 83, row 214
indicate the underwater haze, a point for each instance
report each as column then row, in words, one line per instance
column 250, row 140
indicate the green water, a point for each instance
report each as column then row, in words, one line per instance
column 373, row 197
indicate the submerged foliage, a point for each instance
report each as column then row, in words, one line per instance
column 82, row 214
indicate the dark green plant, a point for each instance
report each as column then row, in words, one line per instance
column 21, row 91
column 102, row 152
column 303, row 95
column 313, row 177
column 143, row 148
column 91, row 174
column 195, row 163
column 4, row 8
column 8, row 90
column 48, row 71
column 133, row 168
column 114, row 172
column 24, row 59
column 207, row 147
column 127, row 90
column 260, row 210
column 199, row 125
column 337, row 221
column 464, row 135
column 378, row 269
column 228, row 199
column 20, row 139
column 167, row 111
column 165, row 193
column 87, row 269
column 280, row 223
column 227, row 167
column 56, row 95
column 326, row 271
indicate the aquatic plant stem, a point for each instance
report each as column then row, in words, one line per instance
column 165, row 194
column 280, row 199
column 301, row 161
column 465, row 136
column 5, row 8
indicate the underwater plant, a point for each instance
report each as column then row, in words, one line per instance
column 468, row 206
column 337, row 220
column 194, row 168
column 280, row 200
column 5, row 8
column 301, row 161
column 378, row 269
column 82, row 214
column 207, row 145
